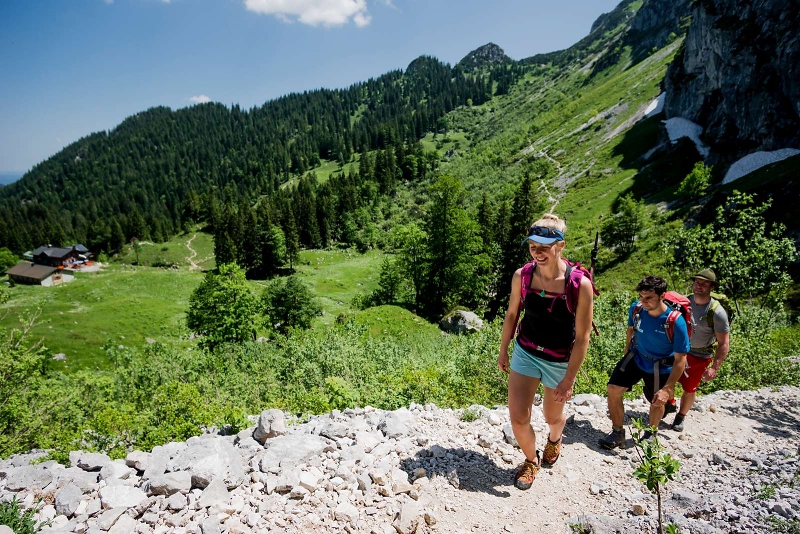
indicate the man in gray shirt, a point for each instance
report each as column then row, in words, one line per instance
column 709, row 343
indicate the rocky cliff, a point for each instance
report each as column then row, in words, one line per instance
column 656, row 24
column 487, row 55
column 737, row 75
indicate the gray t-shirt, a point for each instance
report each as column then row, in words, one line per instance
column 703, row 335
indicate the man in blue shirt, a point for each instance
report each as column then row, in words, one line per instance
column 649, row 356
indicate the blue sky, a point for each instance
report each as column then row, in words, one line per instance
column 72, row 67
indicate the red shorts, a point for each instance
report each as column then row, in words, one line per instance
column 695, row 367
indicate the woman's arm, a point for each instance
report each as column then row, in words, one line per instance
column 583, row 329
column 510, row 321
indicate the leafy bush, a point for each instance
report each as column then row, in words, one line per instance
column 20, row 520
column 470, row 415
column 620, row 230
column 749, row 256
column 290, row 304
column 696, row 182
column 7, row 259
column 223, row 309
column 656, row 466
column 761, row 347
column 22, row 367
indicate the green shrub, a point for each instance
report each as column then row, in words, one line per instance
column 696, row 182
column 469, row 415
column 167, row 392
column 289, row 304
column 21, row 521
column 223, row 310
column 761, row 347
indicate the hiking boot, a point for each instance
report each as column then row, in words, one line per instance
column 526, row 473
column 552, row 451
column 614, row 439
column 670, row 407
column 677, row 424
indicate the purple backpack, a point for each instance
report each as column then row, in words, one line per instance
column 574, row 274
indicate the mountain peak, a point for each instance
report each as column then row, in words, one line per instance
column 486, row 55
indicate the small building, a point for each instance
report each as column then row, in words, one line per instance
column 30, row 273
column 55, row 256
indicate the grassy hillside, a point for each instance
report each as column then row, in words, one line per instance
column 126, row 305
column 194, row 249
column 120, row 305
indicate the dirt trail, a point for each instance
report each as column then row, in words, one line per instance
column 190, row 259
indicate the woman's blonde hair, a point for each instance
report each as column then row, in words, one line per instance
column 548, row 220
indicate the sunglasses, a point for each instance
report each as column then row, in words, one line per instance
column 545, row 231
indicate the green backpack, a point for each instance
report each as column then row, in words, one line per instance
column 720, row 299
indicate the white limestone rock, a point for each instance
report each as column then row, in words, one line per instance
column 170, row 483
column 67, row 499
column 116, row 469
column 291, row 450
column 270, row 424
column 346, row 512
column 121, row 496
column 210, row 458
column 29, row 477
column 215, row 494
column 124, row 525
column 107, row 519
column 138, row 460
column 92, row 461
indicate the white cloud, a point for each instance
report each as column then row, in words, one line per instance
column 313, row 12
column 199, row 99
column 108, row 2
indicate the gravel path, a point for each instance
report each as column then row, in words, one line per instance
column 425, row 469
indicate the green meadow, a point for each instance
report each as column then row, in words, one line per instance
column 125, row 304
column 120, row 305
column 179, row 252
column 325, row 170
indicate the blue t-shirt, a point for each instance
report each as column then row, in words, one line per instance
column 651, row 338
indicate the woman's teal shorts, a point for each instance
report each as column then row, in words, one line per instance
column 527, row 364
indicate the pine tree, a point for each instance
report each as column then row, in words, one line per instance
column 137, row 226
column 458, row 268
column 273, row 248
column 117, row 237
column 292, row 239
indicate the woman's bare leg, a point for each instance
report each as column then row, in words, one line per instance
column 553, row 414
column 521, row 392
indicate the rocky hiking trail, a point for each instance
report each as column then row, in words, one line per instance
column 424, row 469
column 193, row 254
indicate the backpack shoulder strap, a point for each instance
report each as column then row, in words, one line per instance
column 636, row 315
column 670, row 325
column 525, row 280
column 574, row 276
column 637, row 310
column 572, row 286
column 712, row 310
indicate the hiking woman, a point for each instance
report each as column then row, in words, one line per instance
column 551, row 341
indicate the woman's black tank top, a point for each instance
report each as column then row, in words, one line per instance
column 547, row 324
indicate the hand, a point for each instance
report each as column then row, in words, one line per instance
column 661, row 397
column 709, row 374
column 563, row 391
column 502, row 362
